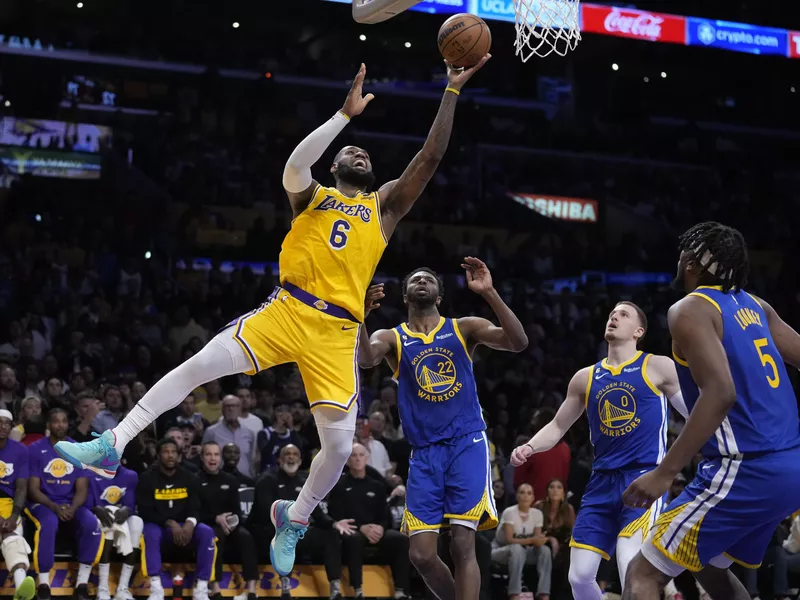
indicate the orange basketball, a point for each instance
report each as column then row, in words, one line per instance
column 464, row 39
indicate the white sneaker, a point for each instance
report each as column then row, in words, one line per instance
column 200, row 594
column 156, row 593
column 103, row 593
column 122, row 594
column 241, row 597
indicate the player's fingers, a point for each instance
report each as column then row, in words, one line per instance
column 369, row 98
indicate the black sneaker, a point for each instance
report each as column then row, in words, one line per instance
column 82, row 592
column 43, row 592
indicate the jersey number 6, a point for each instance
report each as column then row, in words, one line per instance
column 338, row 239
column 766, row 359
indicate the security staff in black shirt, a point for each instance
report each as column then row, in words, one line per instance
column 361, row 501
column 320, row 543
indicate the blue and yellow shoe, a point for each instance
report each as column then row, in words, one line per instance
column 98, row 455
column 26, row 589
column 287, row 534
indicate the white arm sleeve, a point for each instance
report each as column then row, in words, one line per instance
column 297, row 173
column 679, row 404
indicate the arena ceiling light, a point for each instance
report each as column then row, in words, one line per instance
column 615, row 66
column 236, row 24
column 362, row 37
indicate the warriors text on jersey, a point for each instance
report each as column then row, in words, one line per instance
column 333, row 248
column 764, row 417
column 627, row 414
column 438, row 399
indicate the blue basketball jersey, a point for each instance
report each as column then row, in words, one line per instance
column 437, row 395
column 765, row 417
column 627, row 414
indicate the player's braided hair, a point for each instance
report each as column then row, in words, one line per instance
column 722, row 253
column 439, row 282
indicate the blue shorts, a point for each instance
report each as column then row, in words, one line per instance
column 603, row 517
column 728, row 512
column 450, row 480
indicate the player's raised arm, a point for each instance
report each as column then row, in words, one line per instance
column 297, row 179
column 372, row 350
column 510, row 336
column 569, row 412
column 398, row 196
column 786, row 339
column 694, row 324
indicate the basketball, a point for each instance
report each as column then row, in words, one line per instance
column 464, row 39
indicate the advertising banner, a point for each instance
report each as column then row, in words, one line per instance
column 794, row 44
column 50, row 163
column 559, row 208
column 634, row 24
column 307, row 581
column 54, row 135
column 737, row 37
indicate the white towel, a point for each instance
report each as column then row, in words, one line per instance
column 120, row 533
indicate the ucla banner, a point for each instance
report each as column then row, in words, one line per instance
column 306, row 581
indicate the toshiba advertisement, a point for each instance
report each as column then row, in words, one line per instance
column 634, row 24
column 579, row 210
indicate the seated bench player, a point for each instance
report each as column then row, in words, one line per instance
column 57, row 494
column 114, row 503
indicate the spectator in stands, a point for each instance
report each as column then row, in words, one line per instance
column 114, row 503
column 35, row 429
column 229, row 430
column 112, row 414
column 363, row 500
column 220, row 509
column 9, row 392
column 57, row 495
column 378, row 456
column 546, row 466
column 249, row 420
column 208, row 400
column 559, row 519
column 14, row 491
column 320, row 542
column 185, row 458
column 30, row 406
column 168, row 500
column 520, row 541
column 499, row 492
column 231, row 456
column 276, row 436
column 88, row 407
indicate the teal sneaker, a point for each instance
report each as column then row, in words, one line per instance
column 287, row 534
column 98, row 455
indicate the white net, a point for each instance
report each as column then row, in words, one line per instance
column 545, row 27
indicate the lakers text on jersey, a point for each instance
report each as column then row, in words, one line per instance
column 326, row 264
column 730, row 510
column 628, row 419
column 449, row 477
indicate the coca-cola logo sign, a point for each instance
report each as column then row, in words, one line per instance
column 637, row 24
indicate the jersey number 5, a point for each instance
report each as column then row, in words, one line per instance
column 766, row 359
column 338, row 239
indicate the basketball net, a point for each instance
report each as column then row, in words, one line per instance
column 545, row 27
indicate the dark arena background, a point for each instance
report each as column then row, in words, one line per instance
column 142, row 148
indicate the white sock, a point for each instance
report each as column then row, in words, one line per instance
column 221, row 357
column 19, row 577
column 102, row 574
column 83, row 573
column 44, row 578
column 336, row 430
column 202, row 585
column 125, row 577
column 155, row 583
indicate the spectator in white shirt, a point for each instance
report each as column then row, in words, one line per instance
column 378, row 456
column 247, row 419
column 519, row 541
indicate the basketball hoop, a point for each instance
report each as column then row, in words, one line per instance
column 546, row 26
column 375, row 11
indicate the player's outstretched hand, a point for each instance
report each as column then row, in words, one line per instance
column 457, row 77
column 479, row 279
column 355, row 103
column 374, row 294
column 521, row 454
column 647, row 488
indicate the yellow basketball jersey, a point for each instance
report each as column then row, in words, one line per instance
column 334, row 247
